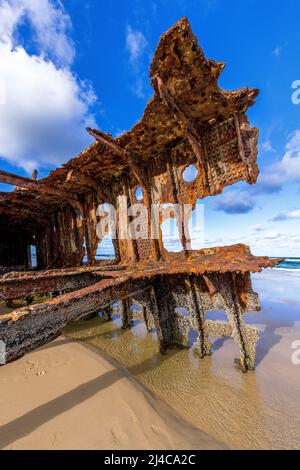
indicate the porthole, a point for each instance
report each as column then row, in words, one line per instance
column 190, row 174
column 139, row 194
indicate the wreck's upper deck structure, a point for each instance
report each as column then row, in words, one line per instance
column 189, row 120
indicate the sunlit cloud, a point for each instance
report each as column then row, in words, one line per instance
column 46, row 106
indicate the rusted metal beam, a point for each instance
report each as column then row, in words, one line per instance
column 107, row 140
column 30, row 184
column 29, row 328
column 186, row 125
column 82, row 177
column 14, row 286
column 20, row 181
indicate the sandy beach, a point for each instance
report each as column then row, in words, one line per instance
column 67, row 396
column 113, row 390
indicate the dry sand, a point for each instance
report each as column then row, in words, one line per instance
column 67, row 396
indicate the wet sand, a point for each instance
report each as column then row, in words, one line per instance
column 85, row 401
column 67, row 396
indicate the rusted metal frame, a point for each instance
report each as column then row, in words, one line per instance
column 199, row 313
column 107, row 313
column 65, row 228
column 28, row 256
column 125, row 314
column 56, row 251
column 71, row 239
column 241, row 145
column 133, row 242
column 144, row 181
column 41, row 250
column 39, row 260
column 47, row 245
column 20, row 181
column 208, row 169
column 115, row 238
column 186, row 240
column 147, row 201
column 84, row 177
column 187, row 126
column 153, row 307
column 176, row 190
column 93, row 202
column 59, row 240
column 61, row 229
column 85, row 223
column 212, row 288
column 231, row 300
column 51, row 239
column 23, row 209
column 180, row 327
column 166, row 306
column 31, row 184
column 42, row 323
column 80, row 231
column 240, row 324
column 75, row 237
column 107, row 140
column 20, row 288
column 145, row 315
column 152, row 222
column 139, row 173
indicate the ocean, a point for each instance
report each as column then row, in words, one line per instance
column 291, row 264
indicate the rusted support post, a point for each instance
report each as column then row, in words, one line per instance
column 198, row 315
column 165, row 312
column 115, row 235
column 153, row 307
column 108, row 313
column 246, row 338
column 125, row 313
column 127, row 194
column 85, row 223
column 155, row 251
column 180, row 218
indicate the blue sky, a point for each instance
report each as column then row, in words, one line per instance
column 65, row 65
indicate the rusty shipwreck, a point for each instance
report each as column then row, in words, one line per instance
column 188, row 121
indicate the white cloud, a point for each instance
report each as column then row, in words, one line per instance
column 46, row 107
column 290, row 164
column 136, row 46
column 235, row 202
column 293, row 215
column 285, row 171
column 257, row 228
column 48, row 20
column 272, row 235
column 135, row 43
